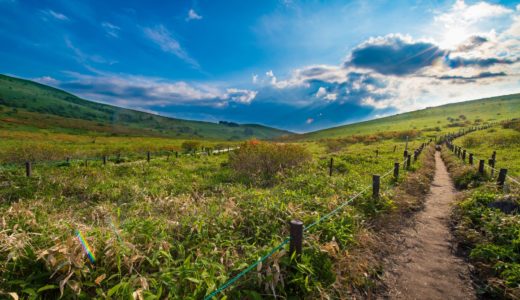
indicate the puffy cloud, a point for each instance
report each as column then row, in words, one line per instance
column 192, row 15
column 240, row 95
column 394, row 55
column 164, row 39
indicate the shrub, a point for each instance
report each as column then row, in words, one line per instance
column 189, row 146
column 261, row 162
column 471, row 142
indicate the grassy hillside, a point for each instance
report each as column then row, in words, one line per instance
column 27, row 105
column 444, row 118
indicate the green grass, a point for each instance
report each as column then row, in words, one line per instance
column 431, row 121
column 27, row 105
column 485, row 223
column 180, row 228
column 505, row 142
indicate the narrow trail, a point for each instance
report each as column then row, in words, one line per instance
column 425, row 266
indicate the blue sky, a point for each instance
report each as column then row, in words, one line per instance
column 297, row 65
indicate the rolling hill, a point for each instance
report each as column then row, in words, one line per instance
column 27, row 105
column 438, row 119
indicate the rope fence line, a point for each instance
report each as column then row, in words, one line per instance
column 458, row 150
column 305, row 229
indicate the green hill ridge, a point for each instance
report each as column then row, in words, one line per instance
column 27, row 105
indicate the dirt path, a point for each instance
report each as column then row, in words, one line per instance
column 426, row 267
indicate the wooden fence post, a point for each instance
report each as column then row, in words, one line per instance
column 481, row 166
column 28, row 169
column 330, row 166
column 104, row 159
column 148, row 156
column 377, row 153
column 396, row 170
column 376, row 180
column 296, row 233
column 409, row 161
column 471, row 158
column 502, row 177
column 395, row 147
column 494, row 155
column 176, row 154
column 68, row 160
column 464, row 155
column 491, row 163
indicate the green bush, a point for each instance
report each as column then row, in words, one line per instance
column 262, row 162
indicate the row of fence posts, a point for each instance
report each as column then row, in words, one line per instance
column 28, row 164
column 296, row 226
column 461, row 153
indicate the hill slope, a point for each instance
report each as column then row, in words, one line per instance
column 26, row 104
column 443, row 118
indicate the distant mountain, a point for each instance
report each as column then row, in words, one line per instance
column 27, row 104
column 433, row 119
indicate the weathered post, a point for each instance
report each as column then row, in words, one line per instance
column 396, row 170
column 409, row 161
column 491, row 164
column 376, row 180
column 502, row 177
column 28, row 169
column 330, row 166
column 377, row 153
column 481, row 166
column 68, row 160
column 86, row 163
column 494, row 155
column 176, row 154
column 104, row 159
column 471, row 158
column 296, row 234
column 148, row 156
column 464, row 155
column 395, row 147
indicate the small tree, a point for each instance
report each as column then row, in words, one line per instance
column 190, row 146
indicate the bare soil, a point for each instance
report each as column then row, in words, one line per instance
column 425, row 265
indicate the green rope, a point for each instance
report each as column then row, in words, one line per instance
column 244, row 272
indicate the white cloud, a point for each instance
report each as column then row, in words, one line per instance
column 241, row 96
column 309, row 121
column 464, row 20
column 164, row 39
column 111, row 29
column 254, row 78
column 48, row 80
column 331, row 97
column 55, row 15
column 321, row 92
column 140, row 91
column 192, row 15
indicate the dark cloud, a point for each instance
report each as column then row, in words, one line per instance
column 467, row 79
column 458, row 62
column 472, row 43
column 393, row 55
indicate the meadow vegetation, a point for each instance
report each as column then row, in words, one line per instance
column 180, row 227
column 486, row 219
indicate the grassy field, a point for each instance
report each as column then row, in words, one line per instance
column 486, row 220
column 179, row 228
column 431, row 121
column 30, row 106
